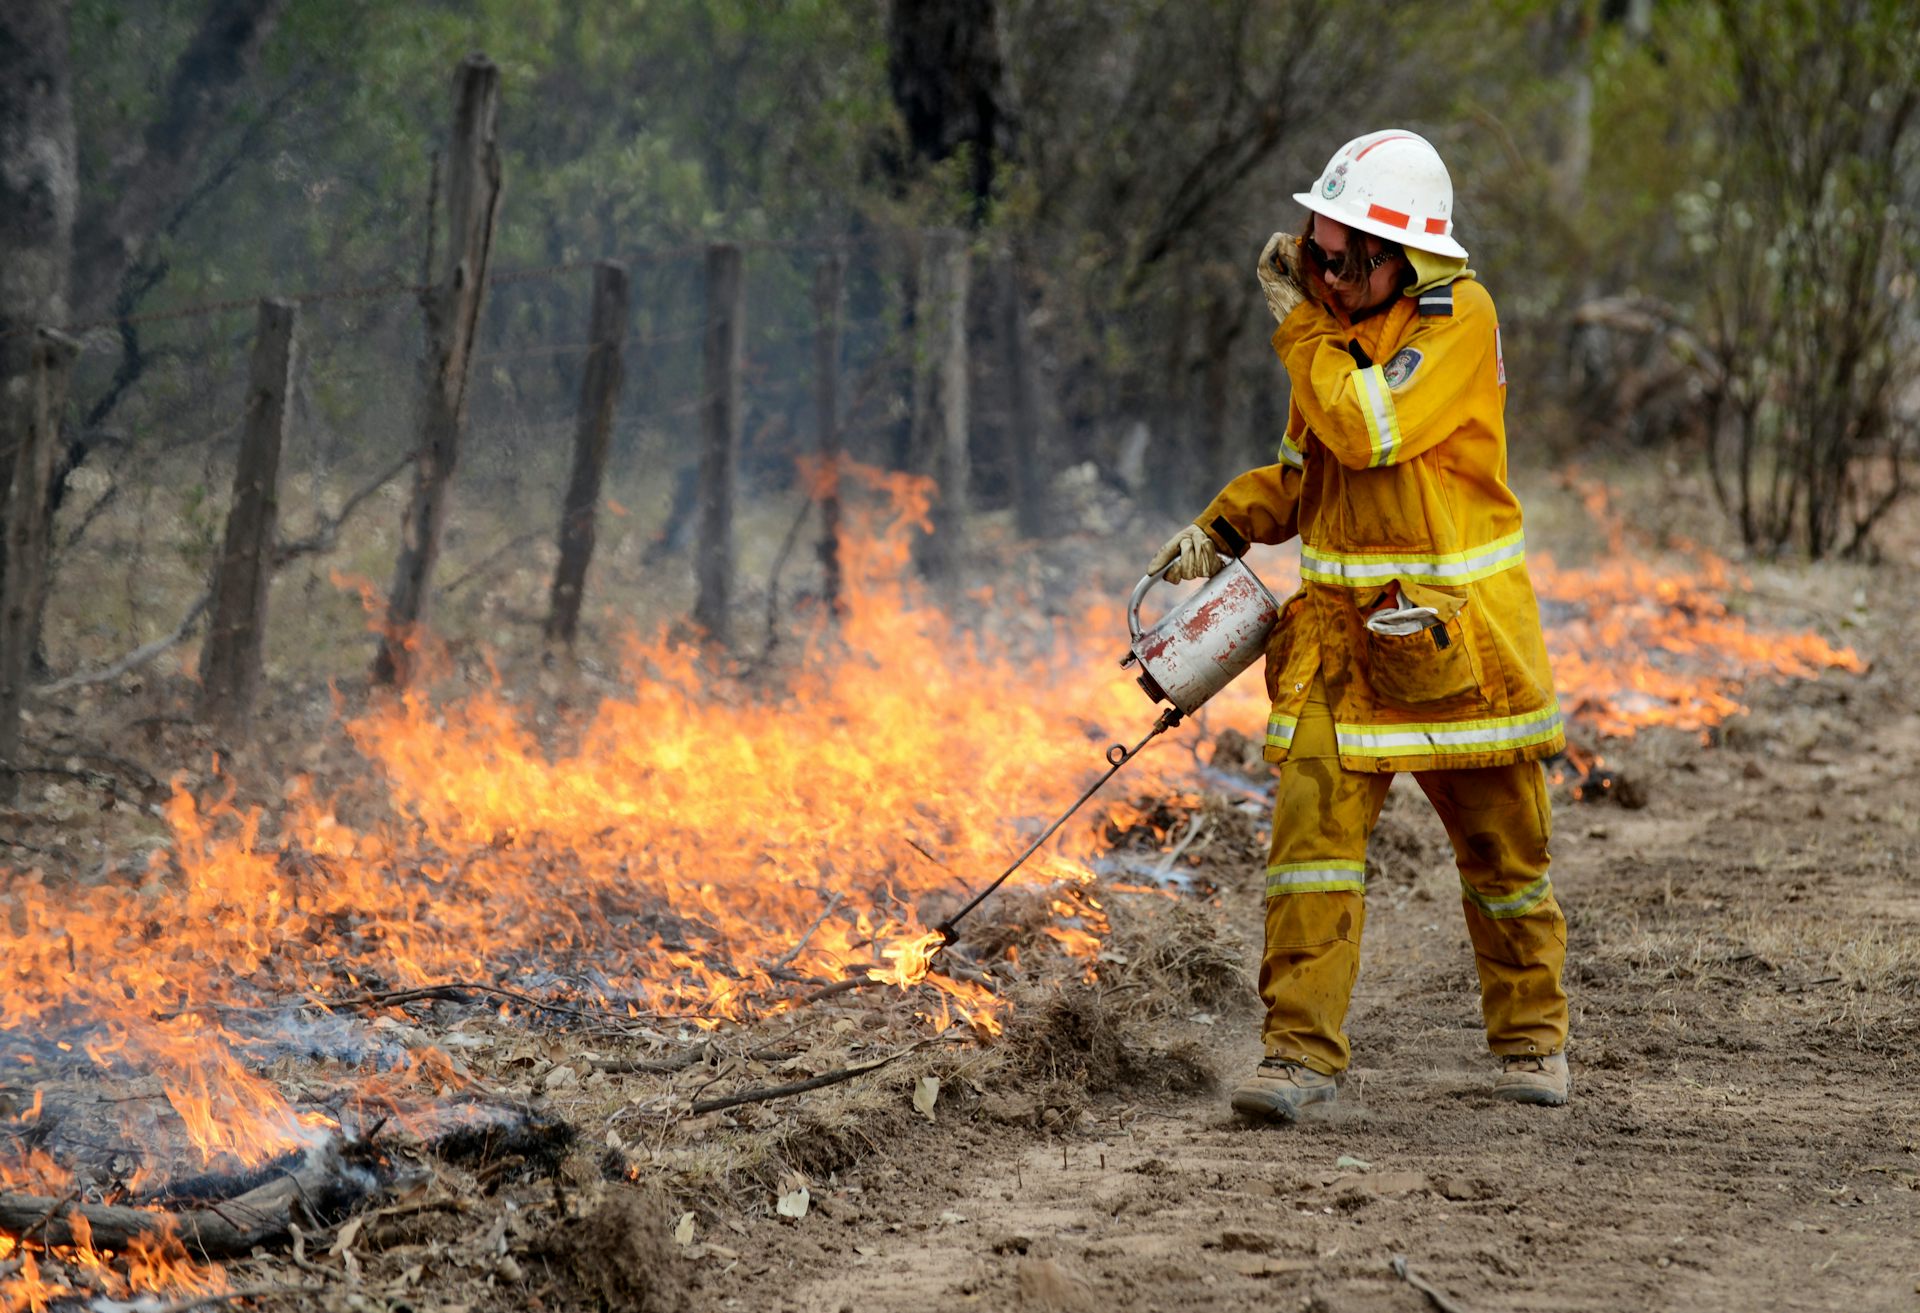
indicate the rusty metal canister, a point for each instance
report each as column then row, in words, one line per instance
column 1197, row 649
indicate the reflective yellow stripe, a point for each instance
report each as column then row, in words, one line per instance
column 1327, row 875
column 1456, row 737
column 1374, row 569
column 1499, row 909
column 1291, row 455
column 1280, row 731
column 1383, row 421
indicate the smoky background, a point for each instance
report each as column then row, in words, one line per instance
column 1677, row 273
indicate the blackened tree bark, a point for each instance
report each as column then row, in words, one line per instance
column 949, row 81
column 39, row 190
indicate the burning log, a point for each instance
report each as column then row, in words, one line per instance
column 320, row 1191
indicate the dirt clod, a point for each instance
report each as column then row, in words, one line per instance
column 1047, row 1284
column 617, row 1253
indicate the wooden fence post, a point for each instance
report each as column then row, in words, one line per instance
column 231, row 662
column 452, row 305
column 940, row 433
column 24, row 580
column 1026, row 440
column 720, row 412
column 829, row 284
column 592, row 435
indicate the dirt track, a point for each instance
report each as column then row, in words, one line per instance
column 1745, row 969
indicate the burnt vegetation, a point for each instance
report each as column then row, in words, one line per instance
column 542, row 548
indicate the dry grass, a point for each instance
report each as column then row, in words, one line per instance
column 1858, row 982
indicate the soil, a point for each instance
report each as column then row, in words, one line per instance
column 1745, row 974
column 1744, row 966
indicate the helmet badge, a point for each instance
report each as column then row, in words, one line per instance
column 1336, row 181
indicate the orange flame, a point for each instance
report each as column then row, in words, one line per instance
column 702, row 847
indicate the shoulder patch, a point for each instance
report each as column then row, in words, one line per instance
column 1399, row 369
column 1437, row 300
column 1499, row 357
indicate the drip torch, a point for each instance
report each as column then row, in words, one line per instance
column 1188, row 655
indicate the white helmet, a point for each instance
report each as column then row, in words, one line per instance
column 1393, row 185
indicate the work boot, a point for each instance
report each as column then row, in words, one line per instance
column 1279, row 1088
column 1532, row 1078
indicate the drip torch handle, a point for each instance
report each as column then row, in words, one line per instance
column 1139, row 594
column 1223, row 529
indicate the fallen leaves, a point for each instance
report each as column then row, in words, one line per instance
column 926, row 1092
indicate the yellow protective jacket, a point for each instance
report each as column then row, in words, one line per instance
column 1394, row 475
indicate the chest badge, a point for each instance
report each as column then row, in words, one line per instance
column 1399, row 369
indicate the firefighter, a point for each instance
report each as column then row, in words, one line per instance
column 1414, row 642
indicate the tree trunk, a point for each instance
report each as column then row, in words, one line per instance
column 940, row 435
column 39, row 188
column 949, row 82
column 1027, row 463
column 236, row 635
column 24, row 579
column 720, row 452
column 829, row 283
column 592, row 436
column 453, row 307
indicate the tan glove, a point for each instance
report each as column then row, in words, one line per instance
column 1192, row 554
column 1280, row 275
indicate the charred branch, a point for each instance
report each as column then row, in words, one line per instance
column 318, row 1193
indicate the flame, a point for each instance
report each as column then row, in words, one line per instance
column 155, row 1263
column 702, row 847
column 1636, row 644
column 912, row 958
column 707, row 845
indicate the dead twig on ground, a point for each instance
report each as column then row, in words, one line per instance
column 834, row 990
column 819, row 1082
column 451, row 991
column 679, row 1062
column 141, row 778
column 1186, row 840
column 133, row 660
column 52, row 1208
column 1439, row 1298
column 786, row 958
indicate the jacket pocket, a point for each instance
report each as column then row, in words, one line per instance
column 1280, row 645
column 1431, row 665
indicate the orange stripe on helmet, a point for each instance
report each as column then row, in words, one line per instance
column 1362, row 153
column 1382, row 214
column 1436, row 225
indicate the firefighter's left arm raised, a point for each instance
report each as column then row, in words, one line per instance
column 1384, row 412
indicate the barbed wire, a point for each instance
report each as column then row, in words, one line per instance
column 393, row 290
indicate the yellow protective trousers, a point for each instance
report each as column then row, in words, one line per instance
column 1499, row 819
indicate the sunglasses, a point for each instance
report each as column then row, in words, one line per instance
column 1350, row 267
